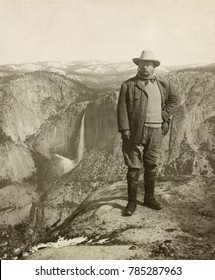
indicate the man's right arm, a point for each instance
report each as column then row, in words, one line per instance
column 122, row 113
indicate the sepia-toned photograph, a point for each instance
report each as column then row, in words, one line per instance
column 107, row 130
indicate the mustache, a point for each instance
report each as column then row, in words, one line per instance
column 145, row 69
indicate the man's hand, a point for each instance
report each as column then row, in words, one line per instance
column 126, row 135
column 165, row 128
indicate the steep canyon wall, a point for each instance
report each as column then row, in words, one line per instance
column 40, row 120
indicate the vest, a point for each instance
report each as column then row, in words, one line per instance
column 153, row 113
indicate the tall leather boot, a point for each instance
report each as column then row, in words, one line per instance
column 149, row 199
column 132, row 181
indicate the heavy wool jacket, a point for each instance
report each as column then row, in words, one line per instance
column 132, row 105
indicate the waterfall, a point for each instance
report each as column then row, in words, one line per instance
column 81, row 141
column 63, row 164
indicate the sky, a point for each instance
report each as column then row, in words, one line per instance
column 179, row 32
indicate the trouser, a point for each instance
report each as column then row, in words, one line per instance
column 146, row 154
column 132, row 182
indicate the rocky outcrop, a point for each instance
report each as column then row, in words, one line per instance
column 183, row 229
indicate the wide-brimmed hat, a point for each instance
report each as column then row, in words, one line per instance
column 146, row 55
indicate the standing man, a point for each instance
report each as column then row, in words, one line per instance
column 145, row 105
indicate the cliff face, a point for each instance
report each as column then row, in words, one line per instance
column 189, row 147
column 40, row 124
column 50, row 123
column 100, row 122
column 16, row 163
column 27, row 102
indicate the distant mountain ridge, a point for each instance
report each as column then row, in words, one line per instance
column 94, row 74
column 72, row 68
column 91, row 67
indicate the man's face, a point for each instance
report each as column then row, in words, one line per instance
column 146, row 68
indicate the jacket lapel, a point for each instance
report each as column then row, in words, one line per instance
column 140, row 85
